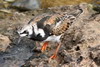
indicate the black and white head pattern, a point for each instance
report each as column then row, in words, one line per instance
column 26, row 30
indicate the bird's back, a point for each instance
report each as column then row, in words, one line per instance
column 54, row 24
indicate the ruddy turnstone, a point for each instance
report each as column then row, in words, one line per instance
column 47, row 28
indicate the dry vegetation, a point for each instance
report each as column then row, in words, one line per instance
column 52, row 3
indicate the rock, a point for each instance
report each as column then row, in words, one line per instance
column 5, row 10
column 81, row 42
column 4, row 42
column 87, row 63
column 10, row 1
column 95, row 54
column 27, row 4
column 96, row 7
column 83, row 33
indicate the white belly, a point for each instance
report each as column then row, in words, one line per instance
column 53, row 38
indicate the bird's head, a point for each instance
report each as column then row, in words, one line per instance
column 26, row 30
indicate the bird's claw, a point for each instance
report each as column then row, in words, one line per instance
column 54, row 56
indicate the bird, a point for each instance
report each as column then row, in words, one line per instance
column 47, row 28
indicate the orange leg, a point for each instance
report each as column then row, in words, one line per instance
column 56, row 52
column 44, row 47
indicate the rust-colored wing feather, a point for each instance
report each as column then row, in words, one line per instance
column 61, row 28
column 58, row 23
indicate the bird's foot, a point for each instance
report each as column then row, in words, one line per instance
column 54, row 56
column 44, row 47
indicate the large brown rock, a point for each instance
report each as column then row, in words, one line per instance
column 82, row 41
column 4, row 42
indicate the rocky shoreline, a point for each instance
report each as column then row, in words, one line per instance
column 80, row 45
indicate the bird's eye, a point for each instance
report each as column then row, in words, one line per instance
column 26, row 32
